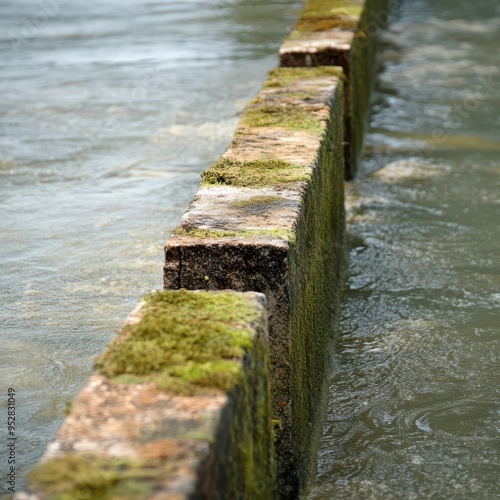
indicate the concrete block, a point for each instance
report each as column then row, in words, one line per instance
column 180, row 407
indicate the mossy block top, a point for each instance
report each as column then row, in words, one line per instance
column 285, row 77
column 324, row 15
column 184, row 341
column 323, row 25
column 293, row 100
column 146, row 425
column 276, row 143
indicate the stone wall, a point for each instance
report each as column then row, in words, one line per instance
column 269, row 217
column 201, row 387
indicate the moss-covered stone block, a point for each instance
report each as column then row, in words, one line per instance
column 341, row 33
column 269, row 217
column 180, row 408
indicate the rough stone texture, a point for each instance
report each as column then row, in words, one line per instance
column 214, row 444
column 234, row 207
column 294, row 255
column 351, row 48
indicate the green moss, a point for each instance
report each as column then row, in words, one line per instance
column 283, row 77
column 319, row 8
column 283, row 234
column 322, row 15
column 317, row 264
column 255, row 173
column 291, row 117
column 184, row 341
column 77, row 477
column 247, row 467
column 266, row 200
column 305, row 25
column 67, row 409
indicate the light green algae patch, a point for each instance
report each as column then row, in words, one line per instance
column 283, row 234
column 185, row 341
column 291, row 117
column 77, row 477
column 265, row 200
column 283, row 77
column 322, row 15
column 255, row 173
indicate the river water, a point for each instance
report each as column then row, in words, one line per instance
column 414, row 409
column 109, row 112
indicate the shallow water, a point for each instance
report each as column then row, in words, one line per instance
column 414, row 396
column 109, row 112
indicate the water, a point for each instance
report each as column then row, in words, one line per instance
column 414, row 397
column 109, row 112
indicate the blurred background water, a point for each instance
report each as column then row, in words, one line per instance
column 109, row 112
column 414, row 408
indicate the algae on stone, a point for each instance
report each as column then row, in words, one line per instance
column 184, row 341
column 322, row 15
column 292, row 117
column 265, row 200
column 317, row 266
column 187, row 340
column 254, row 173
column 283, row 234
column 92, row 477
column 283, row 77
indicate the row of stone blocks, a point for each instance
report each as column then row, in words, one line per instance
column 217, row 392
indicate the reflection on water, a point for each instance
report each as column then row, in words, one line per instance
column 414, row 398
column 109, row 112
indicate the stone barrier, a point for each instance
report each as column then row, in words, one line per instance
column 201, row 387
column 269, row 217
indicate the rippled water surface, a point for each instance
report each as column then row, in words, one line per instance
column 109, row 112
column 414, row 398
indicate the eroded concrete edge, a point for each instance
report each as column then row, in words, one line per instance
column 341, row 33
column 137, row 440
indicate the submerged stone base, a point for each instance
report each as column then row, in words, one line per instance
column 148, row 430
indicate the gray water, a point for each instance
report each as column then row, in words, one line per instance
column 109, row 112
column 414, row 408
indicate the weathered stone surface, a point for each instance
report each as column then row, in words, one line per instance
column 341, row 33
column 251, row 228
column 323, row 48
column 139, row 440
